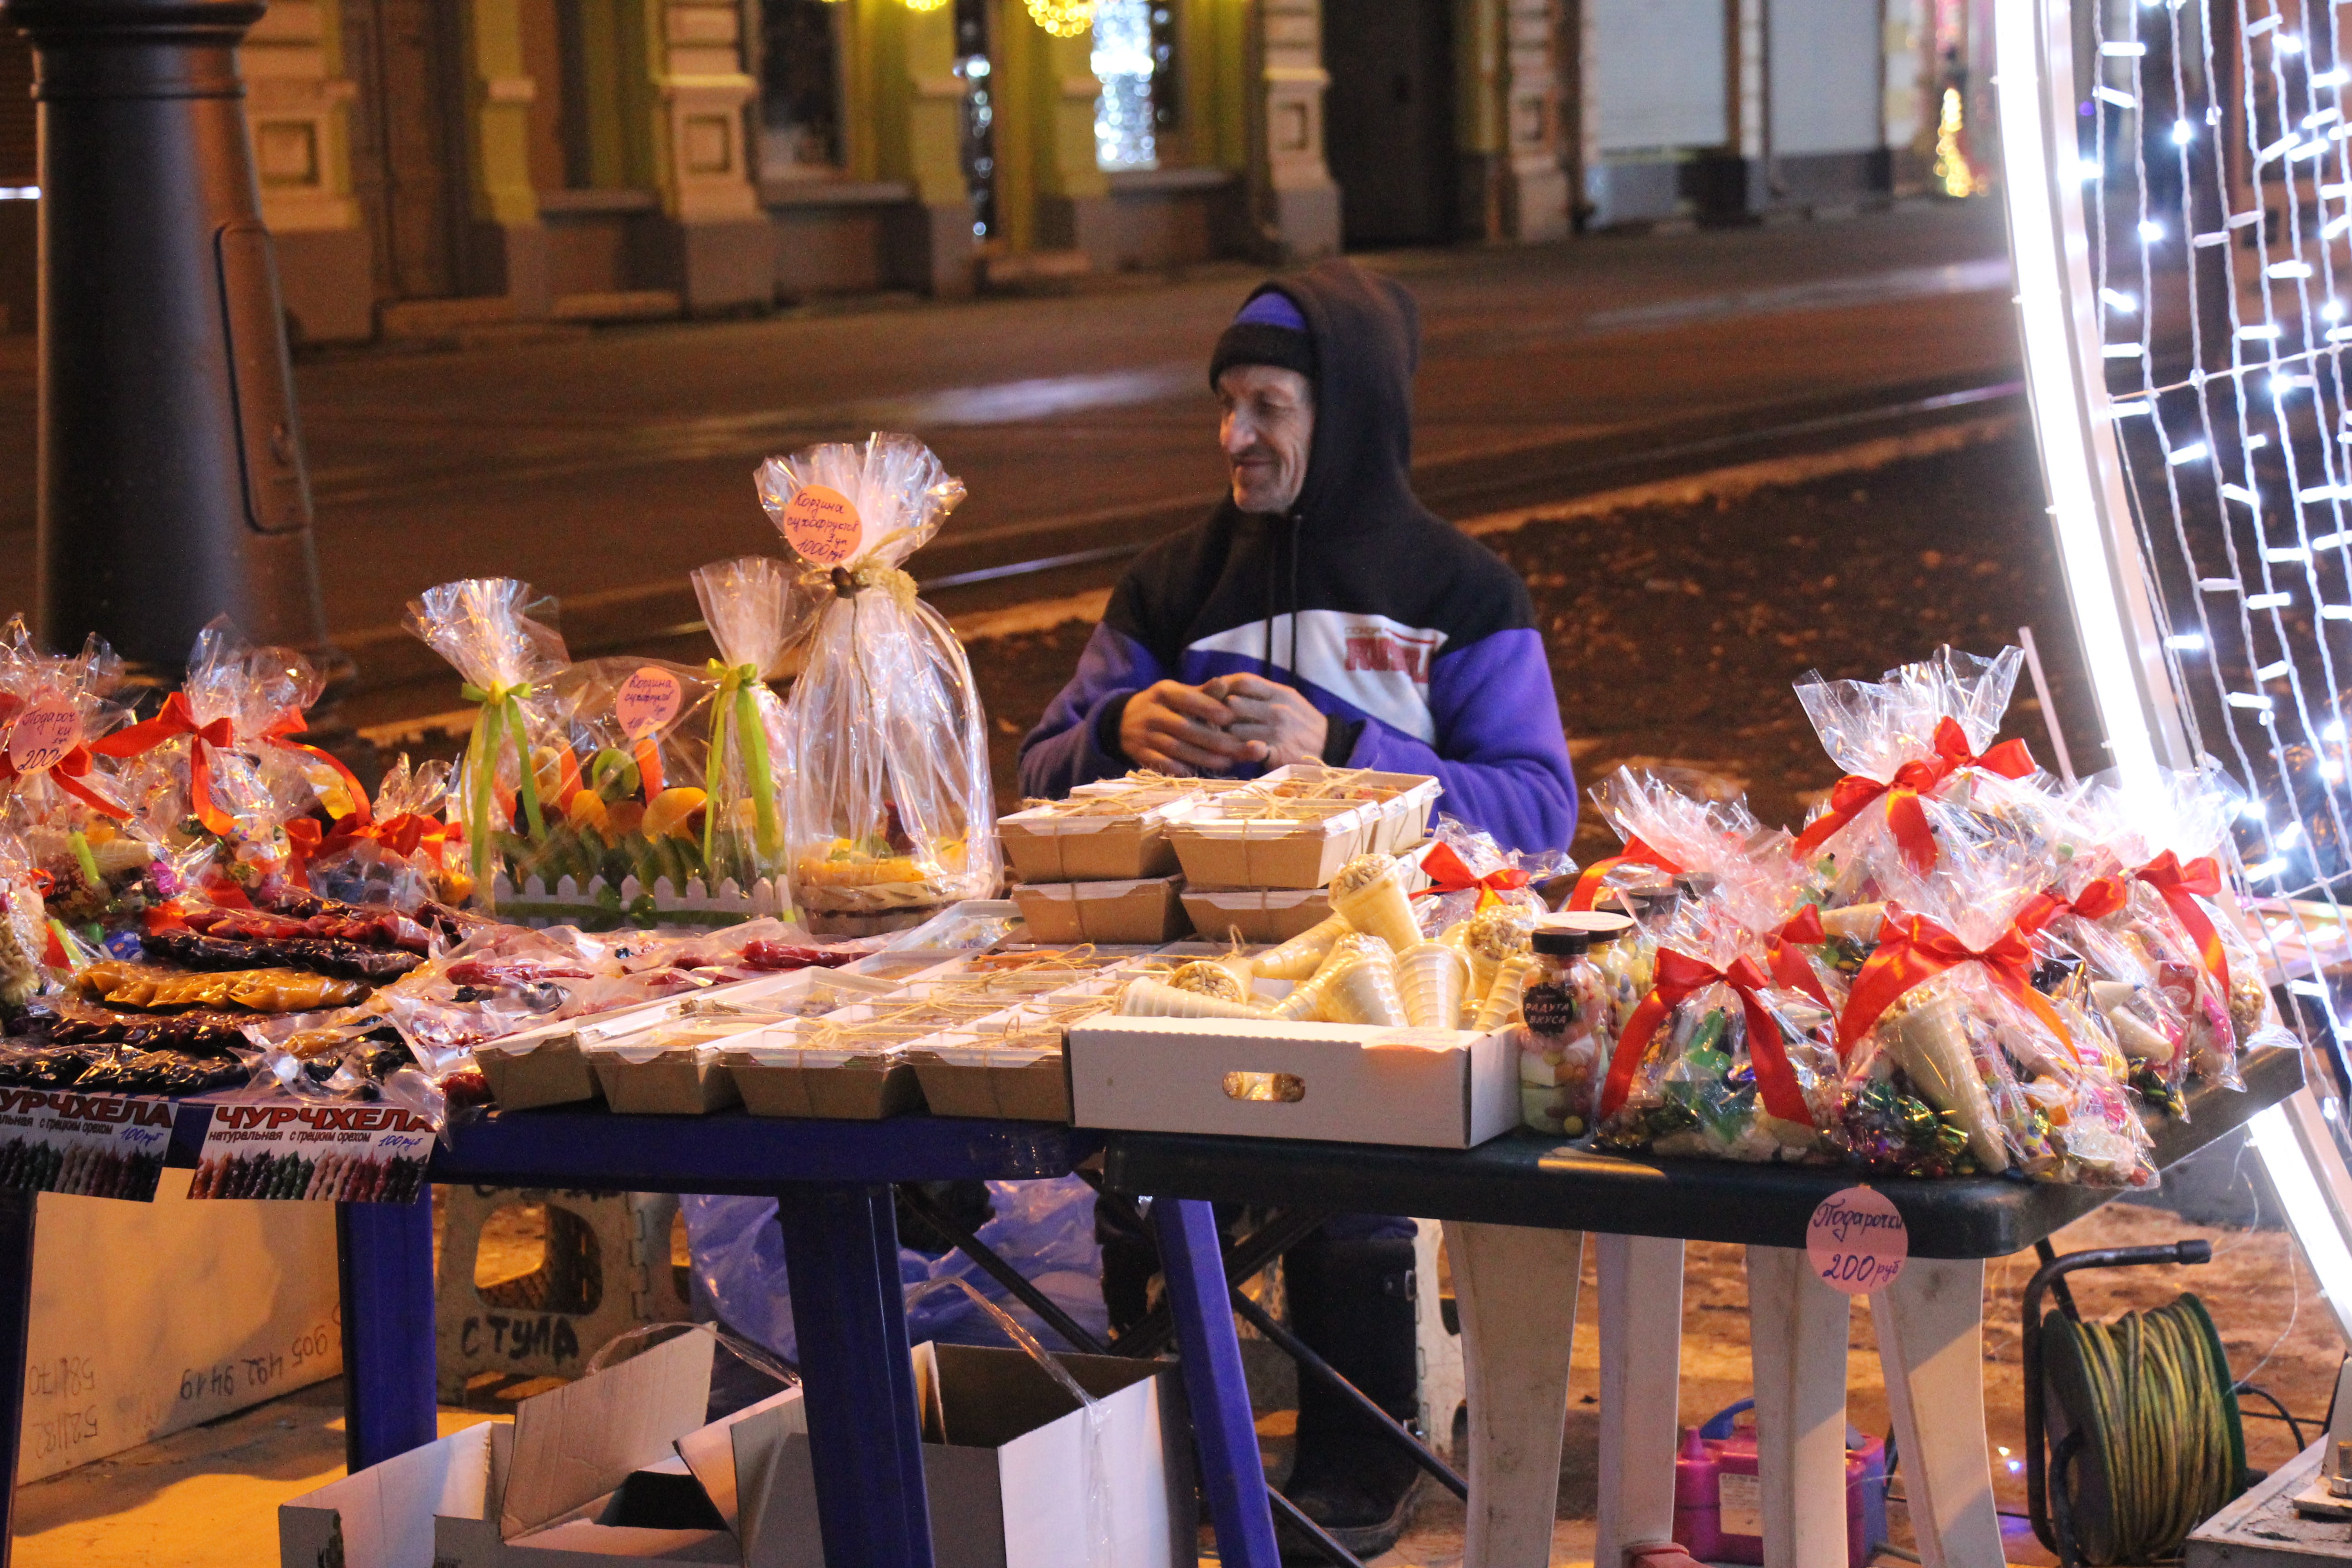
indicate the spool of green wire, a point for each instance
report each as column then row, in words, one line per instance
column 2163, row 1446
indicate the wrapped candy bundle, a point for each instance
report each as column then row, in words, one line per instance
column 406, row 853
column 1670, row 828
column 1954, row 1058
column 1469, row 871
column 1717, row 1059
column 885, row 750
column 743, row 602
column 80, row 846
column 518, row 766
column 1913, row 745
column 220, row 763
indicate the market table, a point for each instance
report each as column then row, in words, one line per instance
column 833, row 1180
column 1514, row 1209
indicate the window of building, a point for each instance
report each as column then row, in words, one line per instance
column 799, row 88
column 1135, row 60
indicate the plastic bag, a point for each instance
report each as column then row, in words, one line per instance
column 1717, row 1060
column 1669, row 829
column 1469, row 872
column 50, row 711
column 625, row 798
column 406, row 853
column 518, row 761
column 1045, row 1230
column 1954, row 1058
column 745, row 833
column 885, row 748
column 220, row 763
column 1921, row 772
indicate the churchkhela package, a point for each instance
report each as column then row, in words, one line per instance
column 885, row 752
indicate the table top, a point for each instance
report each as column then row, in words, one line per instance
column 730, row 1152
column 1527, row 1178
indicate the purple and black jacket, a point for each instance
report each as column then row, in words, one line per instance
column 1417, row 641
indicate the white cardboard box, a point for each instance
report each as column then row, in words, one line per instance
column 1006, row 1453
column 1439, row 1089
column 116, row 1355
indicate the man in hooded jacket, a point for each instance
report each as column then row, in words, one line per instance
column 1322, row 612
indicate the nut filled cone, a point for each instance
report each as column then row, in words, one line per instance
column 1204, row 977
column 1369, row 892
column 1154, row 999
column 1303, row 954
column 1430, row 978
column 1502, row 1000
column 1363, row 991
column 1929, row 1043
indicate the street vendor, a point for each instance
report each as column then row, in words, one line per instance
column 1321, row 611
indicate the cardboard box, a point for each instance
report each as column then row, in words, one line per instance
column 673, row 1071
column 1047, row 844
column 1260, row 914
column 775, row 1078
column 1220, row 846
column 1439, row 1089
column 1008, row 1454
column 1142, row 911
column 1014, row 1085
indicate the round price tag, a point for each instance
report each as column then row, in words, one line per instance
column 824, row 526
column 647, row 701
column 42, row 736
column 1857, row 1241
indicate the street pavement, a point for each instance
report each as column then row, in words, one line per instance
column 603, row 467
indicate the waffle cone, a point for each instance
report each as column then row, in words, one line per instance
column 1430, row 978
column 1502, row 998
column 1364, row 991
column 1380, row 908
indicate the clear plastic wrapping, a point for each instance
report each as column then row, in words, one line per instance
column 517, row 757
column 1922, row 771
column 406, row 853
column 745, row 833
column 628, row 796
column 885, row 754
column 1956, row 1060
column 1670, row 828
column 1469, row 871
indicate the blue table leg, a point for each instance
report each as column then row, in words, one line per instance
column 383, row 1255
column 866, row 1440
column 1232, row 1474
column 16, row 1211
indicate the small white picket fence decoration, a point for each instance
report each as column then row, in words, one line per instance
column 568, row 900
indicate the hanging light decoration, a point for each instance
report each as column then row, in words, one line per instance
column 1063, row 18
column 923, row 5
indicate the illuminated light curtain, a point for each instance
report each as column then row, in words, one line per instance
column 1124, row 117
column 2179, row 202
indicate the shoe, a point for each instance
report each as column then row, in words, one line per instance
column 1353, row 1302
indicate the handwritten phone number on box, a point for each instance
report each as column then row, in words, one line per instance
column 245, row 1374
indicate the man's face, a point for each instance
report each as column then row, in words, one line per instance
column 1267, row 431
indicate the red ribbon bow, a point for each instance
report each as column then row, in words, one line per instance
column 1922, row 776
column 1912, row 948
column 178, row 719
column 68, row 772
column 1449, row 875
column 404, row 835
column 1790, row 968
column 1677, row 977
column 282, row 733
column 1635, row 853
column 2179, row 886
column 2099, row 898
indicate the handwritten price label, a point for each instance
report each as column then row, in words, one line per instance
column 42, row 736
column 1857, row 1241
column 647, row 701
column 824, row 526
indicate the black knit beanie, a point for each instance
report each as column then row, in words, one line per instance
column 1268, row 330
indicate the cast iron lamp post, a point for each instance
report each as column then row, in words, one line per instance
column 172, row 480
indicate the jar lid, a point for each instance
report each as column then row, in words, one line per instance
column 1561, row 941
column 1594, row 925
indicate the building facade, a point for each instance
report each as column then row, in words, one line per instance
column 430, row 164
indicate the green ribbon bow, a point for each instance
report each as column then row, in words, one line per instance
column 501, row 720
column 736, row 709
